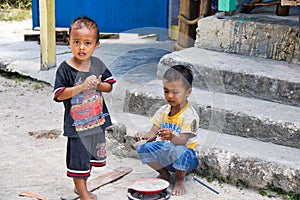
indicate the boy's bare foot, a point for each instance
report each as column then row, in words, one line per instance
column 178, row 188
column 92, row 196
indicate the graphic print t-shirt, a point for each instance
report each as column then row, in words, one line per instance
column 85, row 112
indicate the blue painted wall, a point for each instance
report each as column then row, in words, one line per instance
column 112, row 16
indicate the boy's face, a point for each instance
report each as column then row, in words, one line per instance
column 83, row 43
column 176, row 93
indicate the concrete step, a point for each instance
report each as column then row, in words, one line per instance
column 230, row 158
column 247, row 76
column 231, row 114
column 254, row 34
column 250, row 162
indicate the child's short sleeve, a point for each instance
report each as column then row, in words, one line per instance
column 64, row 78
column 107, row 77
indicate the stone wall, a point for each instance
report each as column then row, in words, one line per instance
column 249, row 35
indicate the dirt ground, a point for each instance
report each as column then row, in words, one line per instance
column 32, row 152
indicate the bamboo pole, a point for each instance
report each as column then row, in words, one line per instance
column 47, row 34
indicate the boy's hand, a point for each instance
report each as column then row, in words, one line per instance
column 90, row 82
column 138, row 136
column 166, row 134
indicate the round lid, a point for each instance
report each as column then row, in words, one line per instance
column 150, row 185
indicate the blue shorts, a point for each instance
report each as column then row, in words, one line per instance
column 172, row 157
column 85, row 152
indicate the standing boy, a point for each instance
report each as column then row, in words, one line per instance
column 176, row 125
column 79, row 84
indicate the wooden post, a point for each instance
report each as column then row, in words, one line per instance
column 187, row 24
column 205, row 8
column 47, row 34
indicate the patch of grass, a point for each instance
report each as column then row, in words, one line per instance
column 263, row 192
column 273, row 191
column 266, row 193
column 14, row 14
column 278, row 191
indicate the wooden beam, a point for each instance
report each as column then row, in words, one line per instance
column 47, row 34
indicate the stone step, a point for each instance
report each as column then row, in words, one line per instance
column 242, row 75
column 231, row 158
column 258, row 35
column 250, row 162
column 230, row 114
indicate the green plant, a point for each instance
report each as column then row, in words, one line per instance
column 263, row 192
column 285, row 195
column 13, row 10
column 19, row 4
column 14, row 14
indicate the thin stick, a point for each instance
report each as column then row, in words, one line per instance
column 198, row 180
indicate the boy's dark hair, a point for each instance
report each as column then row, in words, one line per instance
column 84, row 21
column 180, row 72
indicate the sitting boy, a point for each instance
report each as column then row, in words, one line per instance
column 176, row 126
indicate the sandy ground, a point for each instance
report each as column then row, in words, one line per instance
column 33, row 161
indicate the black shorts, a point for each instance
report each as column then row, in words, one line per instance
column 85, row 152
